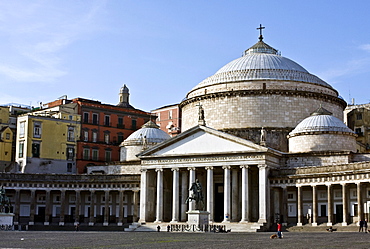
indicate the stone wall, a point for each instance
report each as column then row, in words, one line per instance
column 322, row 142
column 304, row 160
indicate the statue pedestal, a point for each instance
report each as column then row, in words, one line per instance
column 197, row 217
column 6, row 219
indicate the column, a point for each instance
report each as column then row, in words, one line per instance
column 159, row 206
column 264, row 201
column 175, row 195
column 106, row 208
column 345, row 204
column 17, row 206
column 136, row 205
column 92, row 208
column 210, row 192
column 359, row 202
column 245, row 194
column 78, row 207
column 314, row 205
column 143, row 195
column 184, row 194
column 330, row 206
column 191, row 181
column 120, row 208
column 299, row 205
column 47, row 208
column 32, row 207
column 227, row 210
column 285, row 206
column 234, row 195
column 62, row 207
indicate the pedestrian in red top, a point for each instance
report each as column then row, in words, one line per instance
column 279, row 230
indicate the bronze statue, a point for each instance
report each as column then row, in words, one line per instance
column 197, row 195
column 4, row 201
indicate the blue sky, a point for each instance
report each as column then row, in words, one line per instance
column 162, row 49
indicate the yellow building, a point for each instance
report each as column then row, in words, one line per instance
column 46, row 142
column 6, row 141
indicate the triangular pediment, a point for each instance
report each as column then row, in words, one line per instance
column 203, row 140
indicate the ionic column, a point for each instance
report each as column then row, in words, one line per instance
column 359, row 202
column 92, row 208
column 345, row 204
column 120, row 208
column 330, row 206
column 226, row 193
column 159, row 206
column 264, row 201
column 136, row 205
column 245, row 194
column 62, row 207
column 143, row 195
column 314, row 205
column 32, row 207
column 78, row 207
column 191, row 181
column 234, row 195
column 299, row 205
column 175, row 195
column 184, row 194
column 47, row 208
column 17, row 206
column 106, row 208
column 210, row 192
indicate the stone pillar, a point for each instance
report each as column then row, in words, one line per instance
column 330, row 206
column 234, row 195
column 78, row 207
column 359, row 202
column 191, row 181
column 159, row 206
column 92, row 208
column 285, row 205
column 245, row 194
column 120, row 208
column 345, row 204
column 184, row 194
column 143, row 195
column 47, row 208
column 62, row 206
column 227, row 192
column 136, row 205
column 106, row 208
column 299, row 205
column 314, row 205
column 264, row 200
column 32, row 207
column 175, row 195
column 210, row 192
column 17, row 206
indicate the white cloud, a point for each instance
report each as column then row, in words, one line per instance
column 365, row 47
column 36, row 32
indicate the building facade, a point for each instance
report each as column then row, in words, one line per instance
column 169, row 119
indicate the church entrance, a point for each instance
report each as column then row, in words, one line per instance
column 338, row 213
column 219, row 202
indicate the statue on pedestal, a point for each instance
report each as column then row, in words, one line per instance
column 4, row 201
column 197, row 195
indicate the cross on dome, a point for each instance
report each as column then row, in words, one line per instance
column 260, row 28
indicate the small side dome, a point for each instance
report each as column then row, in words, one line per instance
column 142, row 139
column 321, row 132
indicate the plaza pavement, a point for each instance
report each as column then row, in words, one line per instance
column 84, row 239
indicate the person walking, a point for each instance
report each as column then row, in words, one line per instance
column 279, row 230
column 365, row 225
column 361, row 228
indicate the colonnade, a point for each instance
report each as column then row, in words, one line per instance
column 236, row 185
column 87, row 206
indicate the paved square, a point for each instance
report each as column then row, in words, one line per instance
column 62, row 239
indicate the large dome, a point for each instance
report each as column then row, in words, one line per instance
column 261, row 62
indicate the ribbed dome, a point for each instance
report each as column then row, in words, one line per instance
column 320, row 121
column 150, row 131
column 261, row 62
